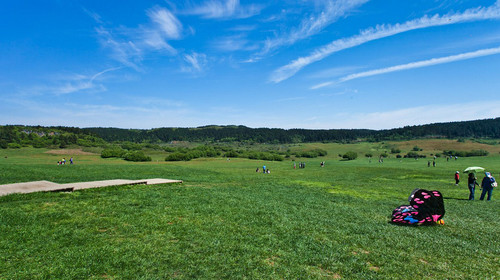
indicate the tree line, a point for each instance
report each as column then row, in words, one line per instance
column 488, row 128
column 14, row 136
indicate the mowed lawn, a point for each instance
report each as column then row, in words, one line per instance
column 228, row 222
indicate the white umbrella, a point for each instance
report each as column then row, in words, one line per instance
column 473, row 169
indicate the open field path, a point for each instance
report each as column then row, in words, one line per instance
column 46, row 186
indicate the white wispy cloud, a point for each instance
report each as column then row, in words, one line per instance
column 77, row 83
column 332, row 10
column 167, row 23
column 234, row 43
column 382, row 31
column 225, row 9
column 418, row 64
column 196, row 62
column 128, row 46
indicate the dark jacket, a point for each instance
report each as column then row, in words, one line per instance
column 487, row 181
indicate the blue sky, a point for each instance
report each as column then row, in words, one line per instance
column 319, row 64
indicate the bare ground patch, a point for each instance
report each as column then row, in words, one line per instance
column 445, row 144
column 76, row 152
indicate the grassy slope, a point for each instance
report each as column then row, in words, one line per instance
column 226, row 221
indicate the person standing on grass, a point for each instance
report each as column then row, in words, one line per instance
column 487, row 184
column 472, row 183
column 457, row 178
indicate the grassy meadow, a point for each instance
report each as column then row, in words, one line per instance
column 228, row 222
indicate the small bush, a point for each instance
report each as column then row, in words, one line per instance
column 113, row 152
column 14, row 146
column 169, row 149
column 131, row 146
column 395, row 151
column 474, row 153
column 413, row 154
column 312, row 153
column 3, row 144
column 232, row 154
column 136, row 156
column 350, row 155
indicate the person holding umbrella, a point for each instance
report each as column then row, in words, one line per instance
column 472, row 183
column 487, row 184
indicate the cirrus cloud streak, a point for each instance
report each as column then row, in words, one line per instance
column 412, row 65
column 382, row 31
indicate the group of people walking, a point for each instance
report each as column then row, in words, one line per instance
column 63, row 161
column 487, row 184
column 264, row 170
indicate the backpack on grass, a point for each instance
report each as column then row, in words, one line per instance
column 426, row 208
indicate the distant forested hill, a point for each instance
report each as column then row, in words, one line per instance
column 488, row 128
column 37, row 136
column 230, row 134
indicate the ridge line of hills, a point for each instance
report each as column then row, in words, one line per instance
column 486, row 128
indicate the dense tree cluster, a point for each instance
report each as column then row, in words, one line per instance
column 206, row 151
column 37, row 136
column 489, row 128
column 46, row 137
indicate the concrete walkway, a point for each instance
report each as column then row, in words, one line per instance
column 46, row 186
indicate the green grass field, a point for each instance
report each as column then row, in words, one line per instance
column 228, row 222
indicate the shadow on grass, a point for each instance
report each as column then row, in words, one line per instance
column 455, row 198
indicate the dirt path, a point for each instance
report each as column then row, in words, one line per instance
column 46, row 186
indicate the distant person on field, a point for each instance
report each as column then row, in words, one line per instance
column 257, row 170
column 71, row 160
column 472, row 183
column 457, row 178
column 487, row 184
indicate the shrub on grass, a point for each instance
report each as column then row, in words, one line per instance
column 231, row 154
column 113, row 152
column 312, row 153
column 474, row 153
column 3, row 144
column 136, row 156
column 350, row 155
column 14, row 146
column 413, row 154
column 395, row 151
column 131, row 146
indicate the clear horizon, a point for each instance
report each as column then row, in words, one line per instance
column 321, row 64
